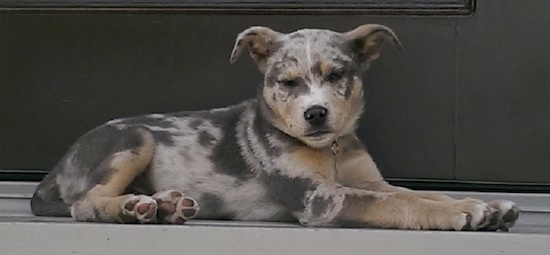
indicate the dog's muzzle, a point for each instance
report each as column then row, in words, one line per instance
column 316, row 115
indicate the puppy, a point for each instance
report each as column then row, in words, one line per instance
column 290, row 154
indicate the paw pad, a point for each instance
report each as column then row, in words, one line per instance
column 174, row 207
column 142, row 208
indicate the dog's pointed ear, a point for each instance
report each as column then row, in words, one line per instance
column 367, row 41
column 261, row 43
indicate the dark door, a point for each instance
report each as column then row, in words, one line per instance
column 466, row 102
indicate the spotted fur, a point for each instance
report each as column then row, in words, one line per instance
column 290, row 154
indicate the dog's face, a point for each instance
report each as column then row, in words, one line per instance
column 312, row 86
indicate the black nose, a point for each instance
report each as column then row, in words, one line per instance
column 316, row 115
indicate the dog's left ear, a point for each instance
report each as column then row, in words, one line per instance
column 367, row 41
column 261, row 43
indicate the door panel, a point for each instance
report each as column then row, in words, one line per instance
column 465, row 101
column 503, row 105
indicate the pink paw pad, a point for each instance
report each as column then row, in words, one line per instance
column 142, row 208
column 174, row 207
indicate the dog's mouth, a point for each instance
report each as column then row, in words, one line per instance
column 318, row 133
column 318, row 138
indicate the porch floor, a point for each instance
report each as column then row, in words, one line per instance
column 22, row 233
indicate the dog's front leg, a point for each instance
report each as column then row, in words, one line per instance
column 407, row 211
column 358, row 170
column 316, row 202
column 507, row 211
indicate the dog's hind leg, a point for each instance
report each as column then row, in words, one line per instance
column 46, row 200
column 105, row 202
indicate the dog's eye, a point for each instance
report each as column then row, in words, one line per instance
column 288, row 82
column 335, row 76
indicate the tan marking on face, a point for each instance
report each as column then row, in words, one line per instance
column 347, row 111
column 325, row 68
column 280, row 109
column 287, row 112
column 317, row 161
column 290, row 73
column 356, row 97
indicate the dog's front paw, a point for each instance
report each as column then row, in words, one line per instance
column 174, row 207
column 507, row 214
column 476, row 214
column 142, row 208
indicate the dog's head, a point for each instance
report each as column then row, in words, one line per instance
column 312, row 86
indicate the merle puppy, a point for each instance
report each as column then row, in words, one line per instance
column 290, row 154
